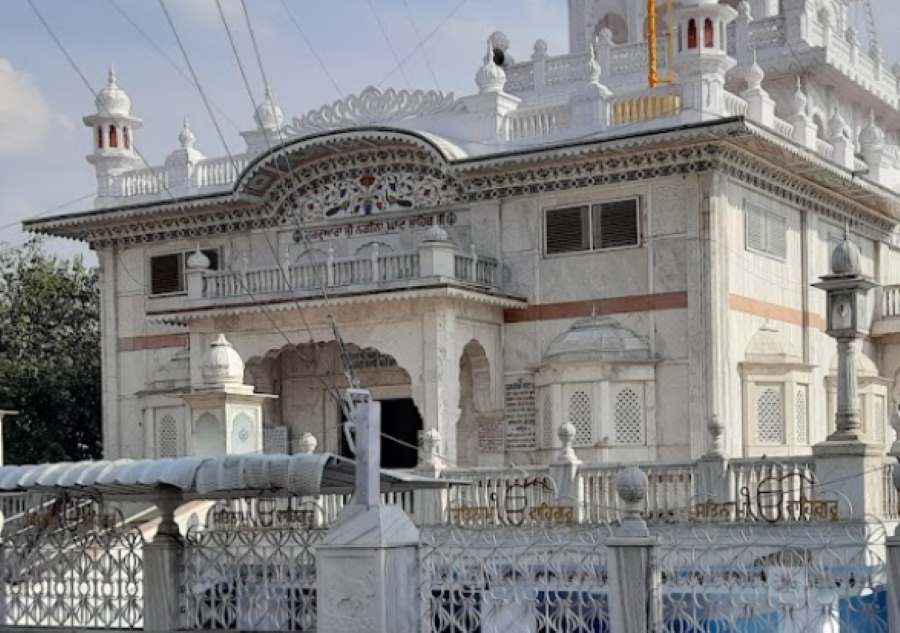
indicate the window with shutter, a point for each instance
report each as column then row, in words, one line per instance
column 167, row 274
column 765, row 231
column 616, row 224
column 567, row 230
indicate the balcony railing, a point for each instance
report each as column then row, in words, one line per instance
column 332, row 272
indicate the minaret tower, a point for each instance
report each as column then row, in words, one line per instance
column 112, row 135
column 701, row 56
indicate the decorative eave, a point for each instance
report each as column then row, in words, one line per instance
column 438, row 289
column 753, row 154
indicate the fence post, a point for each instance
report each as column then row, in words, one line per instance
column 634, row 605
column 430, row 505
column 712, row 469
column 564, row 472
column 162, row 570
column 367, row 566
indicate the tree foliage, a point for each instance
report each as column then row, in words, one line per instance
column 49, row 356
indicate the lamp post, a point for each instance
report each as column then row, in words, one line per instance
column 846, row 289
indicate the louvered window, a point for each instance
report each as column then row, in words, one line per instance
column 167, row 271
column 765, row 231
column 616, row 224
column 567, row 230
column 601, row 226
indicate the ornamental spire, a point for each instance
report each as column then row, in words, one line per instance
column 490, row 78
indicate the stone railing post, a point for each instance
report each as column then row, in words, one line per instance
column 162, row 568
column 197, row 268
column 376, row 276
column 437, row 255
column 712, row 469
column 634, row 604
column 329, row 267
column 430, row 505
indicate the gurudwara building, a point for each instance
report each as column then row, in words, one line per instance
column 563, row 245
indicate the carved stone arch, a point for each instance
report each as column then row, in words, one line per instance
column 354, row 174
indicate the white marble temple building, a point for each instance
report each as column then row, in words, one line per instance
column 562, row 245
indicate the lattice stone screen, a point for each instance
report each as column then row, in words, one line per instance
column 770, row 415
column 581, row 418
column 628, row 414
column 167, row 437
column 547, row 419
column 801, row 415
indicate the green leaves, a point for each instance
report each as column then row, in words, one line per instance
column 49, row 356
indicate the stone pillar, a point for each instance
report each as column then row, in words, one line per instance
column 847, row 423
column 367, row 566
column 430, row 505
column 162, row 566
column 634, row 604
column 441, row 376
column 197, row 268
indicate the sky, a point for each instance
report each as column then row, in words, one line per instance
column 43, row 142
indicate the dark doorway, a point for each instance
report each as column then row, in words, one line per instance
column 399, row 419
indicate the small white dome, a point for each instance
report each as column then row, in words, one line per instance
column 865, row 366
column 799, row 99
column 598, row 339
column 490, row 77
column 268, row 115
column 768, row 345
column 186, row 135
column 222, row 365
column 755, row 74
column 871, row 137
column 112, row 100
column 198, row 260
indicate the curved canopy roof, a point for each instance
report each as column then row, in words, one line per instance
column 203, row 477
column 598, row 339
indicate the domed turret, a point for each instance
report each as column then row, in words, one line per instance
column 598, row 339
column 113, row 129
column 222, row 366
column 268, row 115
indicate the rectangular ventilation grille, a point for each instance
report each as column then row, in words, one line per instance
column 616, row 224
column 567, row 230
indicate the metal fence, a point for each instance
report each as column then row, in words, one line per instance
column 548, row 580
column 72, row 567
column 252, row 567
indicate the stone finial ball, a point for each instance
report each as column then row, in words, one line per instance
column 566, row 433
column 308, row 443
column 631, row 484
column 845, row 259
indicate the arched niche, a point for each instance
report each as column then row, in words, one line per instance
column 208, row 437
column 477, row 425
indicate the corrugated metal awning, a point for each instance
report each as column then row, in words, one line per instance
column 204, row 477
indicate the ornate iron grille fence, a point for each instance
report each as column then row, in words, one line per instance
column 73, row 568
column 493, row 580
column 802, row 578
column 252, row 568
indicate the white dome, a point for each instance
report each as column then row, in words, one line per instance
column 222, row 365
column 198, row 260
column 268, row 115
column 769, row 346
column 112, row 100
column 598, row 339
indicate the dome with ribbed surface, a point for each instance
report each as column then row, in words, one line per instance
column 112, row 100
column 845, row 258
column 598, row 339
column 222, row 365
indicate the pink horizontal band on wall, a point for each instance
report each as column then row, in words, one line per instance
column 775, row 312
column 613, row 305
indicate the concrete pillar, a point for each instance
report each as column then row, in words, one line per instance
column 634, row 598
column 437, row 254
column 162, row 566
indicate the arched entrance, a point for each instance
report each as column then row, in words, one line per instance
column 474, row 401
column 309, row 378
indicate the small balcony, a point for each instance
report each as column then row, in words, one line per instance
column 435, row 265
